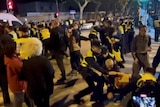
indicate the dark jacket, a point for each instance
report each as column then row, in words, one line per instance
column 150, row 86
column 156, row 59
column 73, row 41
column 90, row 61
column 55, row 39
column 5, row 40
column 39, row 73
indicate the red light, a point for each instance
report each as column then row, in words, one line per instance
column 57, row 14
column 10, row 5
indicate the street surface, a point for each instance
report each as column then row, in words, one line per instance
column 63, row 94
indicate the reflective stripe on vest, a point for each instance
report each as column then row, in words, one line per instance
column 15, row 37
column 121, row 29
column 89, row 54
column 117, row 55
column 144, row 78
column 93, row 31
column 34, row 31
column 45, row 34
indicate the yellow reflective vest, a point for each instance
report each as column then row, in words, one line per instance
column 93, row 31
column 117, row 54
column 157, row 23
column 13, row 33
column 121, row 29
column 89, row 54
column 34, row 31
column 144, row 78
column 22, row 47
column 45, row 34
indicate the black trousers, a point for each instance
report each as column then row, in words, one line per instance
column 130, row 39
column 46, row 46
column 75, row 60
column 41, row 101
column 4, row 86
column 90, row 79
column 157, row 33
column 59, row 59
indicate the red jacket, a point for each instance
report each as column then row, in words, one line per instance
column 14, row 66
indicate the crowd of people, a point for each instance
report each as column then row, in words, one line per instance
column 25, row 65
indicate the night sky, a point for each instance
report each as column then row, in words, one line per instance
column 21, row 1
column 3, row 2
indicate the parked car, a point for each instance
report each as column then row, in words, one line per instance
column 10, row 19
column 87, row 25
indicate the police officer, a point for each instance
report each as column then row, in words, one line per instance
column 11, row 32
column 45, row 37
column 88, row 64
column 93, row 33
column 157, row 29
column 146, row 80
column 156, row 61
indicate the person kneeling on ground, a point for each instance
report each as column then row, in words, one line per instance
column 90, row 75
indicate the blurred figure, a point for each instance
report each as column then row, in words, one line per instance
column 114, row 46
column 4, row 40
column 14, row 65
column 33, row 31
column 90, row 76
column 157, row 29
column 38, row 72
column 93, row 33
column 141, row 45
column 105, row 54
column 156, row 61
column 73, row 41
column 11, row 32
column 45, row 37
column 121, row 32
column 58, row 47
column 104, row 31
column 23, row 37
column 143, row 84
column 110, row 65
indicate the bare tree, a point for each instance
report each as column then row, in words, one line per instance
column 132, row 6
column 123, row 4
column 82, row 4
column 98, row 4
